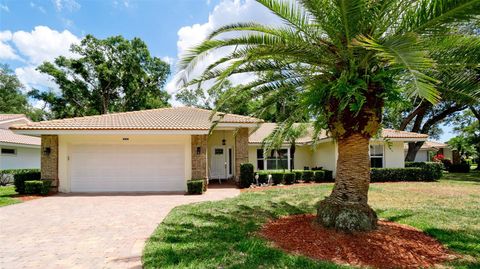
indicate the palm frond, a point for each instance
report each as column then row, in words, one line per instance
column 403, row 52
column 430, row 16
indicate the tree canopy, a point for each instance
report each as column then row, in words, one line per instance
column 105, row 75
column 12, row 99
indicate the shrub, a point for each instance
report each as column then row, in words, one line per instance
column 328, row 175
column 262, row 177
column 396, row 174
column 196, row 186
column 298, row 175
column 447, row 163
column 20, row 178
column 459, row 168
column 308, row 176
column 289, row 178
column 246, row 175
column 277, row 178
column 37, row 186
column 319, row 176
column 431, row 171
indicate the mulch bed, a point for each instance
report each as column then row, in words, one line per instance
column 25, row 198
column 392, row 245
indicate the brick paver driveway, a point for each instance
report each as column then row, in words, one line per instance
column 86, row 231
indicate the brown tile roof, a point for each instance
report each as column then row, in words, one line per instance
column 431, row 145
column 391, row 133
column 7, row 136
column 179, row 118
column 4, row 117
column 266, row 128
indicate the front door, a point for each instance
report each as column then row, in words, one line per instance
column 219, row 163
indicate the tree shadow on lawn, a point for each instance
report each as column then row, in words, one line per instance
column 223, row 239
column 465, row 242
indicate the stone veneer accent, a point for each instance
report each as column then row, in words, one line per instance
column 49, row 162
column 199, row 161
column 241, row 150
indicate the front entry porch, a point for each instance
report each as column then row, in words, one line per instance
column 217, row 156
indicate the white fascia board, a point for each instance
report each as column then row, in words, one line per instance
column 236, row 125
column 110, row 132
column 18, row 145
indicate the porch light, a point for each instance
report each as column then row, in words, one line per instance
column 47, row 150
column 199, row 150
column 224, row 142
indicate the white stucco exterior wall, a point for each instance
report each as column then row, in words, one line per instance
column 66, row 141
column 25, row 158
column 422, row 155
column 394, row 156
column 325, row 155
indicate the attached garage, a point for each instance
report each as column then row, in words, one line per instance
column 156, row 150
column 117, row 168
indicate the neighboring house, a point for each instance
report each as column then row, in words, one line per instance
column 160, row 149
column 431, row 148
column 17, row 151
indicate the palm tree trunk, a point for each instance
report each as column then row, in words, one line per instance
column 347, row 208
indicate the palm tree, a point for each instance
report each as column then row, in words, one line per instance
column 344, row 59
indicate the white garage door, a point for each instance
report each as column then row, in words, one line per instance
column 104, row 168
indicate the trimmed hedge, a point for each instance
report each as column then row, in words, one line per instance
column 319, row 176
column 328, row 175
column 262, row 178
column 37, row 186
column 298, row 175
column 396, row 174
column 26, row 175
column 277, row 178
column 431, row 170
column 196, row 186
column 289, row 178
column 247, row 177
column 308, row 176
column 459, row 168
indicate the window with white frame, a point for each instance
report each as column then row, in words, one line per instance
column 376, row 156
column 275, row 159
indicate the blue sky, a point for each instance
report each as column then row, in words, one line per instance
column 33, row 31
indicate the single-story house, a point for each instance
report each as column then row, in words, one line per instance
column 160, row 149
column 385, row 151
column 17, row 151
column 431, row 148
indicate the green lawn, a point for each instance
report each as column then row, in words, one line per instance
column 222, row 234
column 6, row 194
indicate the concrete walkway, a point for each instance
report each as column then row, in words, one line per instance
column 86, row 231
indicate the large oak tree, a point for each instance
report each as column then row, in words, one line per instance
column 105, row 75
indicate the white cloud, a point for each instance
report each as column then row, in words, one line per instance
column 226, row 12
column 31, row 78
column 4, row 8
column 169, row 60
column 44, row 44
column 40, row 45
column 69, row 5
column 6, row 50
